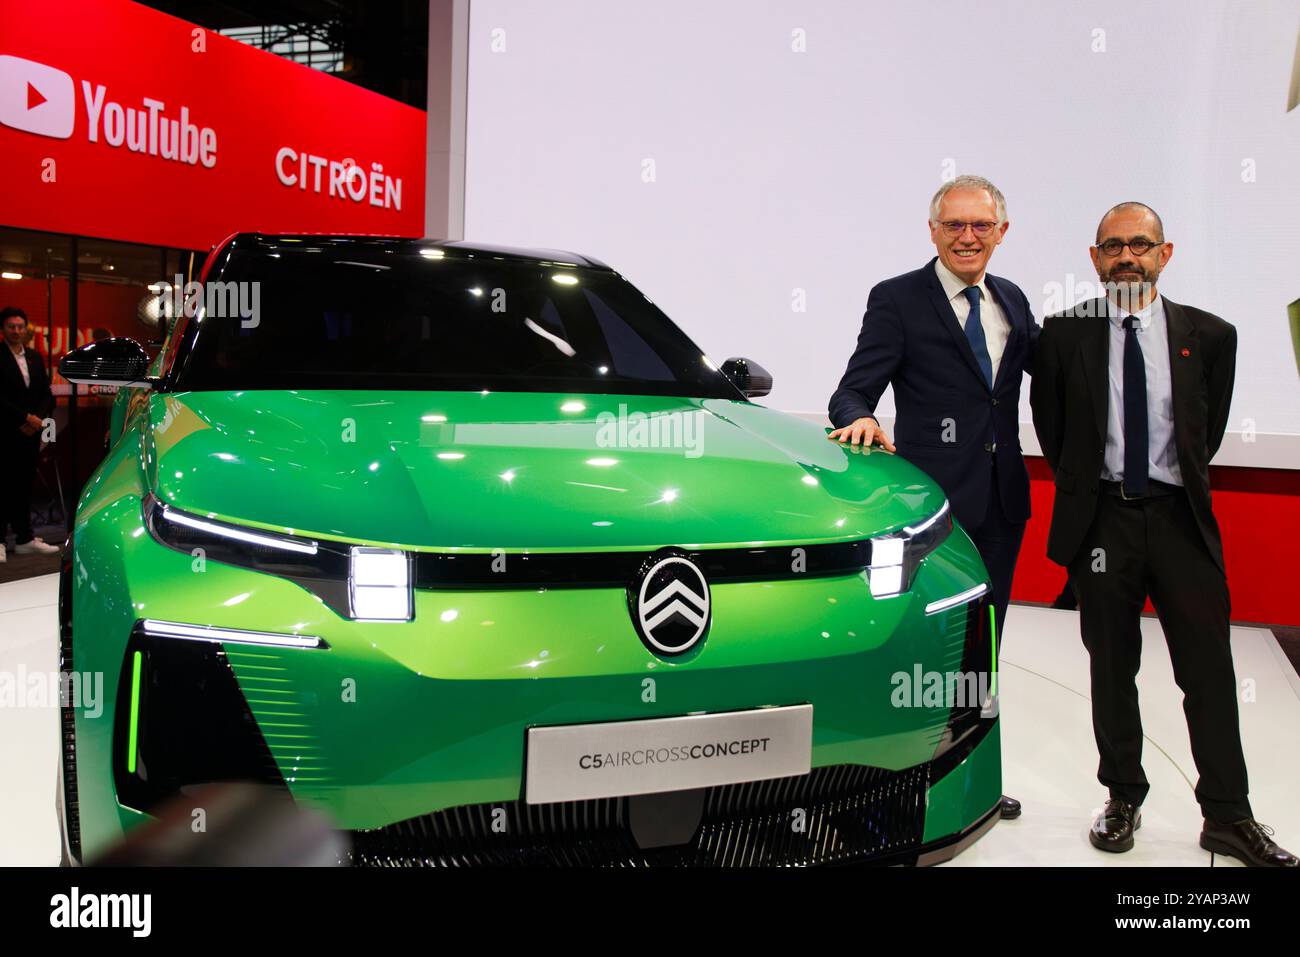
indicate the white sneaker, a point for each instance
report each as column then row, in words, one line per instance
column 37, row 546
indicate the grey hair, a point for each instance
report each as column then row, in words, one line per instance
column 969, row 182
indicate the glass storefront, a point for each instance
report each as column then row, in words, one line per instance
column 76, row 290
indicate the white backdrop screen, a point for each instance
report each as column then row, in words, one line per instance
column 755, row 167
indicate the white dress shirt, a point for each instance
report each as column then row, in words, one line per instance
column 996, row 327
column 1153, row 336
column 20, row 357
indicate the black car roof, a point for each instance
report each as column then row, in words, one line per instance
column 454, row 248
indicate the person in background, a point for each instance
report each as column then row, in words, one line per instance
column 25, row 402
column 954, row 342
column 1130, row 397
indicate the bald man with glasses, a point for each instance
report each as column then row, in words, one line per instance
column 1130, row 397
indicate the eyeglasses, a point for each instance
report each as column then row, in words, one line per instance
column 1139, row 247
column 955, row 227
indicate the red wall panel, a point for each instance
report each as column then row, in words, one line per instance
column 1259, row 515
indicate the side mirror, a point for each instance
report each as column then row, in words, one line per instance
column 117, row 361
column 748, row 376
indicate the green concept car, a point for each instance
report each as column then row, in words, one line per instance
column 474, row 551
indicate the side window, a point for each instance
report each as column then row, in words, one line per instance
column 549, row 317
column 632, row 357
column 167, row 355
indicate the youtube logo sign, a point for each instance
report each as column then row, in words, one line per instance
column 36, row 98
column 40, row 99
column 109, row 107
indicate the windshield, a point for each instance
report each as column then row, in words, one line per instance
column 389, row 316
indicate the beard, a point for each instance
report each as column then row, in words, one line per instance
column 1135, row 273
column 1130, row 284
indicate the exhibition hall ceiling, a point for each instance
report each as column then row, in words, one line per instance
column 380, row 46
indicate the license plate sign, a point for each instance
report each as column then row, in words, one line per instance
column 617, row 758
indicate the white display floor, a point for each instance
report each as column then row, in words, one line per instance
column 1049, row 759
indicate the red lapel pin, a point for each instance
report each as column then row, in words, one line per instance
column 1186, row 353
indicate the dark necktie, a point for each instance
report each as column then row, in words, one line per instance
column 1135, row 412
column 975, row 334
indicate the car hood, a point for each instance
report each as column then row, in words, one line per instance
column 522, row 470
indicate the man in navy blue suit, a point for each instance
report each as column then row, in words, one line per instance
column 954, row 342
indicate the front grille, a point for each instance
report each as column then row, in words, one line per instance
column 839, row 814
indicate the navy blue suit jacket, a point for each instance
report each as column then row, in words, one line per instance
column 947, row 414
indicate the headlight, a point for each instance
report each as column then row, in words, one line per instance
column 896, row 556
column 357, row 582
column 379, row 584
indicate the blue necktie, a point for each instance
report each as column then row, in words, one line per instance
column 1135, row 412
column 975, row 334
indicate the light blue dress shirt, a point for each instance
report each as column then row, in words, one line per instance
column 997, row 329
column 1153, row 336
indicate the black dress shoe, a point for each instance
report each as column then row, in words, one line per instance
column 1010, row 808
column 1113, row 829
column 1247, row 841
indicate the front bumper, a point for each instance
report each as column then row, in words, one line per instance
column 836, row 814
column 388, row 723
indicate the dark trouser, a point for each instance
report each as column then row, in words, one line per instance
column 1154, row 547
column 998, row 542
column 18, row 470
